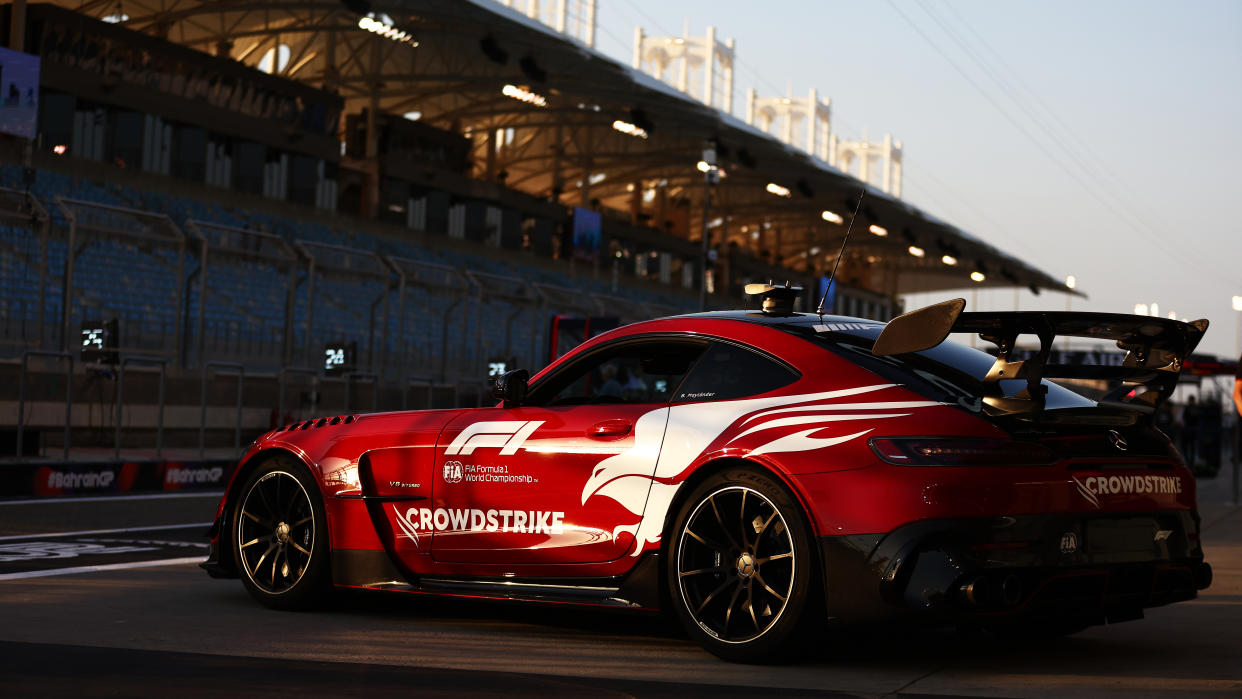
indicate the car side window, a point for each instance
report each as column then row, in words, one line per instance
column 630, row 372
column 731, row 371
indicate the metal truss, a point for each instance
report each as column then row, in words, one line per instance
column 568, row 150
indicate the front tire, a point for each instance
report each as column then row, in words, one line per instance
column 741, row 569
column 280, row 538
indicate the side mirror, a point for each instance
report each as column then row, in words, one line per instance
column 510, row 387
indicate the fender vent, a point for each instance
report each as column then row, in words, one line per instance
column 321, row 422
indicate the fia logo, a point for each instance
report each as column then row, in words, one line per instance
column 1069, row 542
column 452, row 471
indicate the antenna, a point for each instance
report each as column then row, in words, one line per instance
column 841, row 254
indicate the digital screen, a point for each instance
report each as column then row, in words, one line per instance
column 19, row 93
column 497, row 369
column 587, row 231
column 339, row 357
column 99, row 341
column 93, row 338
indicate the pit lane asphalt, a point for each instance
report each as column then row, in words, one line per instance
column 168, row 628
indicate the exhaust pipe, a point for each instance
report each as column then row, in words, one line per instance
column 1011, row 590
column 975, row 591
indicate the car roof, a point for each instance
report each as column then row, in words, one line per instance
column 774, row 321
column 806, row 319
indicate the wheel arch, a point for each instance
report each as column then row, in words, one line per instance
column 709, row 469
column 231, row 493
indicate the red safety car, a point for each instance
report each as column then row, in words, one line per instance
column 756, row 473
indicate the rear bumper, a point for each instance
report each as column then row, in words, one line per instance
column 1093, row 568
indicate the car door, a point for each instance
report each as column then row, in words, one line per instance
column 564, row 477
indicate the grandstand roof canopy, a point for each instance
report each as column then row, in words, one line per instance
column 466, row 52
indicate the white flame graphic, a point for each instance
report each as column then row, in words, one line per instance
column 675, row 437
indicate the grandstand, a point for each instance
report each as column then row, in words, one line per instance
column 413, row 188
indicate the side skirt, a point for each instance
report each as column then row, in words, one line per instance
column 373, row 570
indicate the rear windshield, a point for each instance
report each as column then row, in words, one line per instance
column 949, row 372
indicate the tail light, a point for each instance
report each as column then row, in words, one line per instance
column 940, row 451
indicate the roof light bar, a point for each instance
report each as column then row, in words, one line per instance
column 523, row 94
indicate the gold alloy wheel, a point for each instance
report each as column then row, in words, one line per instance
column 276, row 532
column 735, row 564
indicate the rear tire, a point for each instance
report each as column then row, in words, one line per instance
column 741, row 569
column 280, row 537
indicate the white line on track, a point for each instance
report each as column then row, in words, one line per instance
column 110, row 498
column 95, row 569
column 103, row 531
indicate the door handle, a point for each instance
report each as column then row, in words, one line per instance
column 610, row 429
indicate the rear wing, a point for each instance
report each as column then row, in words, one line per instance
column 1156, row 350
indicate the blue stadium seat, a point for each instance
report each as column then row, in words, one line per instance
column 246, row 298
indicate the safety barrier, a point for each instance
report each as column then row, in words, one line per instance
column 349, row 382
column 281, row 382
column 221, row 367
column 120, row 403
column 21, row 395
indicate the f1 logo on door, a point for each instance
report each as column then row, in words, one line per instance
column 538, row 459
column 506, row 434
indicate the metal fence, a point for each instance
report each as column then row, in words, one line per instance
column 223, row 329
column 209, row 292
column 24, row 274
column 242, row 295
column 127, row 264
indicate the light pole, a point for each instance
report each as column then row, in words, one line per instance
column 711, row 175
column 1070, row 282
column 1237, row 428
column 1237, row 325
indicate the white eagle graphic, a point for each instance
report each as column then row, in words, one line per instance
column 677, row 435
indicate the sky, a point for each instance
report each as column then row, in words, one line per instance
column 1093, row 138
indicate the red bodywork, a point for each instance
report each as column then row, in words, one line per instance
column 582, row 491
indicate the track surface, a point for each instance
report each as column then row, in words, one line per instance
column 94, row 603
